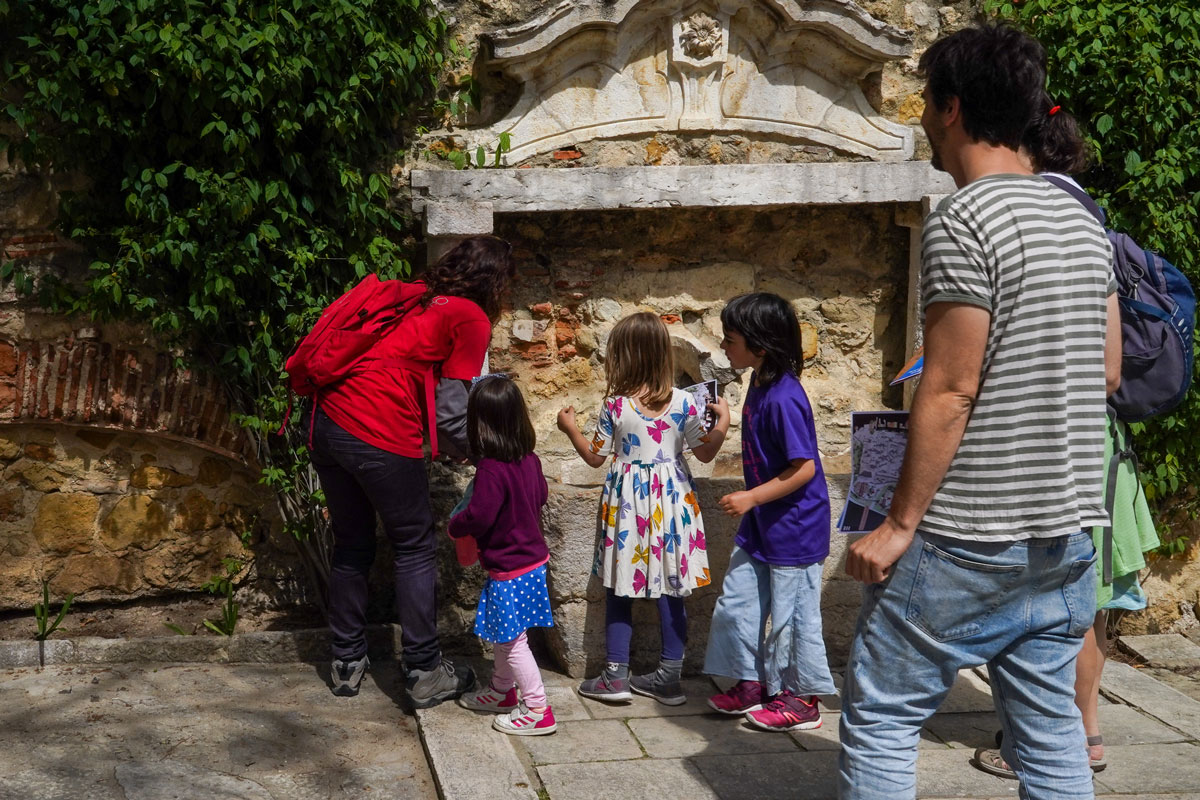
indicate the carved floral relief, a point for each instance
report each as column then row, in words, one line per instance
column 604, row 68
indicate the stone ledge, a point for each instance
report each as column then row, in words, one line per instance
column 260, row 647
column 730, row 185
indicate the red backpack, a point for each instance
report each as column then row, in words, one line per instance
column 340, row 343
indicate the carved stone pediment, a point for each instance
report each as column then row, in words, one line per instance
column 595, row 69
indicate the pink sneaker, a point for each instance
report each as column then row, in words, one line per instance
column 523, row 722
column 786, row 712
column 742, row 697
column 490, row 700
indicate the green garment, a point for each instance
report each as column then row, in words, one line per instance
column 1133, row 527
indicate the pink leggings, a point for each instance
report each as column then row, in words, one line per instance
column 515, row 664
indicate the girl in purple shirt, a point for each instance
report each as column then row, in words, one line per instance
column 502, row 515
column 775, row 568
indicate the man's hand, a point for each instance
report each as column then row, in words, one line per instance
column 870, row 559
column 737, row 503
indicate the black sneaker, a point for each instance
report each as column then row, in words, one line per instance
column 427, row 688
column 347, row 675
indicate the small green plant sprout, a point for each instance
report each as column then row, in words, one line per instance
column 178, row 629
column 41, row 612
column 222, row 584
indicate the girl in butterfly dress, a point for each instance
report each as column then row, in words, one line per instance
column 651, row 539
column 502, row 516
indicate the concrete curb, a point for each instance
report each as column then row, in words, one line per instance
column 261, row 647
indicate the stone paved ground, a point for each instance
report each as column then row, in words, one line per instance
column 204, row 732
column 273, row 731
column 647, row 750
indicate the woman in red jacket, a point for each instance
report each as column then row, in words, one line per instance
column 367, row 447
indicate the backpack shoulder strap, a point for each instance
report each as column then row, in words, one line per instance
column 1085, row 200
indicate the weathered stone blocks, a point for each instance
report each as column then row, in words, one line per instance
column 136, row 520
column 109, row 515
column 66, row 523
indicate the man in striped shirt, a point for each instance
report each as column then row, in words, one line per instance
column 983, row 557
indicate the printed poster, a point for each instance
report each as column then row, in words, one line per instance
column 877, row 442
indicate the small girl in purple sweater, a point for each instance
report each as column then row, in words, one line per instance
column 502, row 515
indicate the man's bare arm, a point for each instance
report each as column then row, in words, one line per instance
column 1112, row 346
column 955, row 340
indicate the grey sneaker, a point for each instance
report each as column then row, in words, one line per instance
column 611, row 685
column 347, row 675
column 660, row 685
column 426, row 688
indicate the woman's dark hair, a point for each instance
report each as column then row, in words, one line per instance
column 498, row 423
column 998, row 75
column 768, row 324
column 1054, row 142
column 478, row 268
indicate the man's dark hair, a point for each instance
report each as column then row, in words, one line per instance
column 498, row 425
column 998, row 75
column 768, row 324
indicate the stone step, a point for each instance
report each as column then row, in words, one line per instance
column 1131, row 686
column 1167, row 650
column 470, row 760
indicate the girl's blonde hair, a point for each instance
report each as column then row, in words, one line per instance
column 639, row 360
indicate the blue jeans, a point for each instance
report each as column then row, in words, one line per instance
column 792, row 655
column 1020, row 607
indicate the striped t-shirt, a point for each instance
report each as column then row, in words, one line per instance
column 1031, row 461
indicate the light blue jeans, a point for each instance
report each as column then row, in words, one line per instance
column 1022, row 608
column 791, row 655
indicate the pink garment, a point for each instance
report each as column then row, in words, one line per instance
column 515, row 664
column 499, row 575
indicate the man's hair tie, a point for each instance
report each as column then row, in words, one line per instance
column 1054, row 110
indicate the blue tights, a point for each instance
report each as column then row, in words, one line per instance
column 618, row 627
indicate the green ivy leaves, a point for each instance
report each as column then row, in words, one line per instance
column 236, row 157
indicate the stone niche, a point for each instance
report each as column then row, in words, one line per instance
column 595, row 243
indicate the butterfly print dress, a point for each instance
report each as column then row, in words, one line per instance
column 651, row 538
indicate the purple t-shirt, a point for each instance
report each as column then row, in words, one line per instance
column 777, row 428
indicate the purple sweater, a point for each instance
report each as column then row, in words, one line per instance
column 504, row 514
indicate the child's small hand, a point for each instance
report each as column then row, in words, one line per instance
column 721, row 409
column 566, row 419
column 737, row 503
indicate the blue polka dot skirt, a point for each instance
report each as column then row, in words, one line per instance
column 508, row 608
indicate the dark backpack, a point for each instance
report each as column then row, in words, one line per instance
column 1158, row 310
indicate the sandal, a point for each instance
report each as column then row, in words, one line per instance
column 989, row 760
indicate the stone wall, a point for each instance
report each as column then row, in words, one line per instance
column 109, row 515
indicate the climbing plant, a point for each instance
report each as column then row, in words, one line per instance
column 236, row 159
column 1128, row 71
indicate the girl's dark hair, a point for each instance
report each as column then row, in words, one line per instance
column 498, row 423
column 998, row 75
column 479, row 268
column 1054, row 141
column 768, row 324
